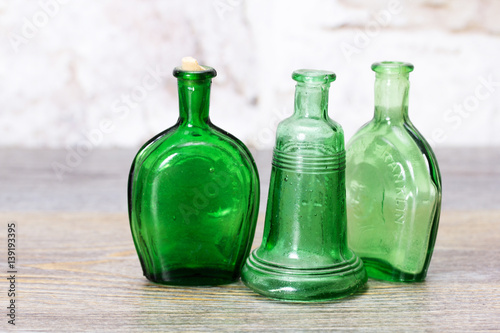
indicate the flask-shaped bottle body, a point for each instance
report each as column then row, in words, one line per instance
column 304, row 254
column 193, row 195
column 393, row 185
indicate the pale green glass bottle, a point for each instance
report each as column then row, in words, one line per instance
column 304, row 254
column 193, row 195
column 393, row 185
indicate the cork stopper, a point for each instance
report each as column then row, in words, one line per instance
column 190, row 64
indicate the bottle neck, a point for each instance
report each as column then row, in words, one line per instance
column 391, row 97
column 311, row 100
column 194, row 100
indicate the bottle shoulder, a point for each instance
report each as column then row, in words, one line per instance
column 389, row 147
column 325, row 135
column 396, row 135
column 180, row 144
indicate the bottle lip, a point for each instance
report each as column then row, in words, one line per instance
column 392, row 67
column 208, row 73
column 313, row 76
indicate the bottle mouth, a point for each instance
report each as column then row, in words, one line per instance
column 313, row 76
column 392, row 67
column 207, row 73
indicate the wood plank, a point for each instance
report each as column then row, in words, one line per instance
column 471, row 179
column 79, row 272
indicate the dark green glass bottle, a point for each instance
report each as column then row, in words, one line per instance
column 393, row 185
column 193, row 195
column 304, row 254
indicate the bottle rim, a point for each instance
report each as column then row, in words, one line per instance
column 207, row 73
column 392, row 67
column 313, row 76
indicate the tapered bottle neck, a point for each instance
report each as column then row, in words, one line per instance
column 391, row 91
column 311, row 93
column 194, row 97
column 391, row 98
column 311, row 100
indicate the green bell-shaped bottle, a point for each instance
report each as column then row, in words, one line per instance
column 393, row 185
column 304, row 254
column 193, row 195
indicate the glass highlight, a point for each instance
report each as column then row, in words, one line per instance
column 393, row 185
column 304, row 255
column 193, row 195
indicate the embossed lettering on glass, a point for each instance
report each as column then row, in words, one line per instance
column 393, row 185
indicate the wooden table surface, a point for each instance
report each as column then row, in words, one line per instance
column 78, row 270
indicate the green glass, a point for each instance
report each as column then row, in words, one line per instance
column 393, row 185
column 304, row 254
column 193, row 195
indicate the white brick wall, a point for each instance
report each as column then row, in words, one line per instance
column 65, row 66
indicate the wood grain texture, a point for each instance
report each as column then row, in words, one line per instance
column 79, row 272
column 471, row 179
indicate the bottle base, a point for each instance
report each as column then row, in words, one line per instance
column 303, row 285
column 193, row 277
column 382, row 270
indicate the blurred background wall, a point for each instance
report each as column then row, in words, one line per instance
column 97, row 74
